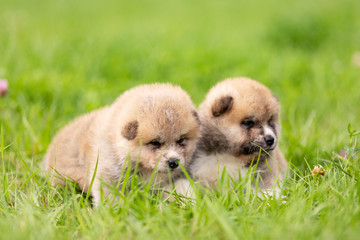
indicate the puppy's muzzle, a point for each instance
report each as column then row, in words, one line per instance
column 173, row 163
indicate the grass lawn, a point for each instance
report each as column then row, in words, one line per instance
column 65, row 58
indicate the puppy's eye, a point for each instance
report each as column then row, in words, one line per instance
column 248, row 123
column 155, row 143
column 181, row 141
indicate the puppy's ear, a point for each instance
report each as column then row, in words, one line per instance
column 277, row 99
column 130, row 130
column 221, row 106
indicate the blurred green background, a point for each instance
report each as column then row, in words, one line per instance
column 65, row 58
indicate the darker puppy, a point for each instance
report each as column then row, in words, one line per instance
column 239, row 120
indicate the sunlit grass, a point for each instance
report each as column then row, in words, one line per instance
column 65, row 58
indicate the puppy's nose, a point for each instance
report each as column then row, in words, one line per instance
column 173, row 163
column 269, row 140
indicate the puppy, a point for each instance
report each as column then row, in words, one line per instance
column 239, row 117
column 154, row 126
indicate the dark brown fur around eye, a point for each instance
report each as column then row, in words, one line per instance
column 196, row 116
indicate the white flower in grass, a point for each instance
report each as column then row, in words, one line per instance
column 318, row 170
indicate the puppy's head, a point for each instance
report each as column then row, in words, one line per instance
column 239, row 116
column 160, row 128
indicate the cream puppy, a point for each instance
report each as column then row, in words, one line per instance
column 239, row 117
column 155, row 125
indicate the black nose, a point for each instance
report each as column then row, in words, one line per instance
column 269, row 140
column 173, row 163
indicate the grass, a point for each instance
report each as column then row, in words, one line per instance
column 65, row 58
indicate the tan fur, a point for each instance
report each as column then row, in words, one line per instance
column 112, row 134
column 226, row 143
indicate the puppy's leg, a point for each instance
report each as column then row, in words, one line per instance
column 95, row 192
column 270, row 178
column 269, row 192
column 183, row 187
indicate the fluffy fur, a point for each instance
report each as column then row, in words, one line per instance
column 239, row 117
column 152, row 124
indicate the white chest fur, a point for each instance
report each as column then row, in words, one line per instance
column 208, row 168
